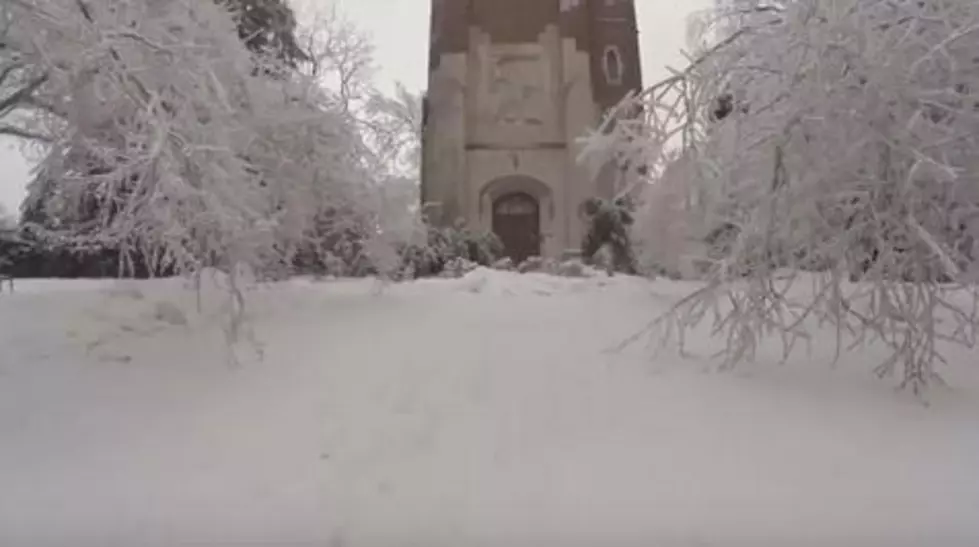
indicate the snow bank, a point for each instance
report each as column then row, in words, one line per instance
column 486, row 410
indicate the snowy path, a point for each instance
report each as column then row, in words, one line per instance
column 483, row 411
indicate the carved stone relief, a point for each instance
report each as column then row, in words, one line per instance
column 516, row 90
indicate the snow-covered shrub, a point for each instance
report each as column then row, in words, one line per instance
column 573, row 268
column 567, row 268
column 504, row 264
column 838, row 137
column 457, row 267
column 533, row 264
column 445, row 245
column 609, row 223
column 337, row 245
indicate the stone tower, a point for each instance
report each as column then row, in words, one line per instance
column 512, row 85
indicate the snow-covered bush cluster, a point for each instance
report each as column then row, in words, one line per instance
column 448, row 251
column 833, row 137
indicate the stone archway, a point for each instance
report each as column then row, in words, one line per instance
column 518, row 209
column 516, row 221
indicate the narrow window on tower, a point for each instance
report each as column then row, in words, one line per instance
column 613, row 65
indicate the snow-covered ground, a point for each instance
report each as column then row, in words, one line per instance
column 483, row 411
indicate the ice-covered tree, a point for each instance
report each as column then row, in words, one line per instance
column 389, row 123
column 160, row 124
column 388, row 128
column 836, row 137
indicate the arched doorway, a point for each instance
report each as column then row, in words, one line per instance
column 516, row 221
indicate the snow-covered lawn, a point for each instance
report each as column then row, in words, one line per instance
column 483, row 411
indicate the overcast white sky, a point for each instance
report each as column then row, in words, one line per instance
column 400, row 32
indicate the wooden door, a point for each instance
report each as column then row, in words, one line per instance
column 516, row 221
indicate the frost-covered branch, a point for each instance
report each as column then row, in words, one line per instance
column 341, row 58
column 837, row 139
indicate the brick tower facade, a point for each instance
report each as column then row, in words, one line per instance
column 512, row 85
